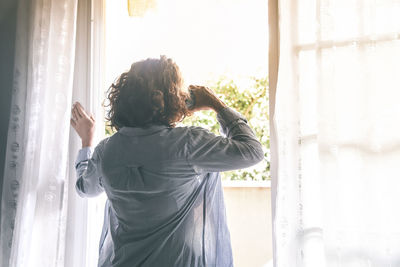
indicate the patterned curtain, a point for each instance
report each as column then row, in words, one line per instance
column 43, row 223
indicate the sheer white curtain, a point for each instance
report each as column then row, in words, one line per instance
column 337, row 127
column 43, row 220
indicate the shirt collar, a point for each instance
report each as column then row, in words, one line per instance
column 136, row 131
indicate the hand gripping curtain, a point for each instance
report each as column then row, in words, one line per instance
column 336, row 128
column 39, row 209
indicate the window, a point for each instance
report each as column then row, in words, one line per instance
column 220, row 44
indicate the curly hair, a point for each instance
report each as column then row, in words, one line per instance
column 149, row 93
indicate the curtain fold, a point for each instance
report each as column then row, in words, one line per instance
column 337, row 129
column 38, row 205
column 273, row 67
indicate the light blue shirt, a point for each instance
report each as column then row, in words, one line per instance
column 165, row 201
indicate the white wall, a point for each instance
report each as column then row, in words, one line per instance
column 249, row 220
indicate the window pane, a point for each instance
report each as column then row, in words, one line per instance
column 340, row 19
column 307, row 17
column 357, row 81
column 206, row 38
column 348, row 19
column 383, row 17
column 308, row 92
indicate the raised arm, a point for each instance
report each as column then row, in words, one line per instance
column 87, row 166
column 237, row 148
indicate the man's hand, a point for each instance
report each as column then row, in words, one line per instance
column 83, row 124
column 205, row 99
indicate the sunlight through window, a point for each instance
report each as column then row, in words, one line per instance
column 220, row 44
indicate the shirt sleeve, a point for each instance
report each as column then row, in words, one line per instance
column 87, row 167
column 237, row 148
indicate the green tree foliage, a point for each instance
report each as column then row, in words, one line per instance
column 252, row 102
